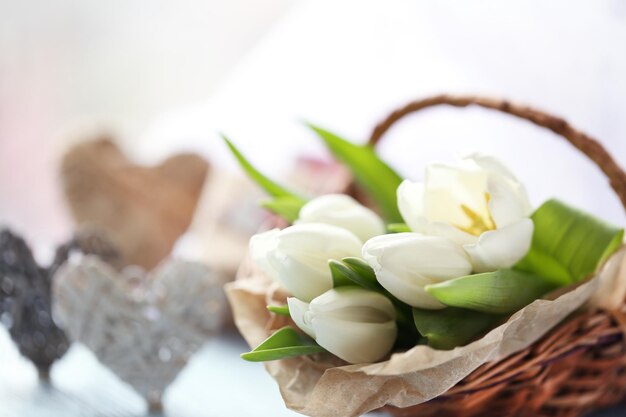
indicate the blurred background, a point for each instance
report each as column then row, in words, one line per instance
column 70, row 68
column 165, row 77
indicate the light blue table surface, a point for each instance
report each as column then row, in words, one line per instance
column 215, row 383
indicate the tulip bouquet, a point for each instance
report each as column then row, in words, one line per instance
column 448, row 259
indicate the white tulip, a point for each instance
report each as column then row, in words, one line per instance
column 343, row 211
column 354, row 324
column 405, row 263
column 478, row 204
column 297, row 256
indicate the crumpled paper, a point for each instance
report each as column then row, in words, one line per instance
column 323, row 386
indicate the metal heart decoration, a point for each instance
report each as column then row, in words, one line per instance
column 25, row 299
column 143, row 327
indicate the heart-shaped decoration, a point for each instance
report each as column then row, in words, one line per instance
column 25, row 299
column 143, row 327
column 143, row 209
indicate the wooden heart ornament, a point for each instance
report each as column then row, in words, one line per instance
column 143, row 327
column 143, row 209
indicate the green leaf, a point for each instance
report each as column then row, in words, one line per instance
column 280, row 310
column 568, row 245
column 286, row 203
column 286, row 207
column 500, row 292
column 362, row 268
column 284, row 343
column 344, row 275
column 408, row 336
column 380, row 180
column 451, row 327
column 398, row 228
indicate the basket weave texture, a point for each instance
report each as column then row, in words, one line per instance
column 581, row 364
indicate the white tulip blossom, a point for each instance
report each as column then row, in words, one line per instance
column 352, row 323
column 404, row 263
column 297, row 256
column 478, row 204
column 343, row 211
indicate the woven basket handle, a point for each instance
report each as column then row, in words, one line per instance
column 584, row 143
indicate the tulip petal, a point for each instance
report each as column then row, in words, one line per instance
column 298, row 311
column 342, row 211
column 358, row 303
column 261, row 245
column 508, row 201
column 318, row 240
column 411, row 205
column 491, row 165
column 410, row 197
column 451, row 232
column 449, row 188
column 410, row 291
column 501, row 248
column 305, row 280
column 355, row 342
column 406, row 262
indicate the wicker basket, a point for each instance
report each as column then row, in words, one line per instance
column 581, row 364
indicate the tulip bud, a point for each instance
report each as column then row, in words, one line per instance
column 297, row 256
column 352, row 323
column 405, row 263
column 342, row 211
